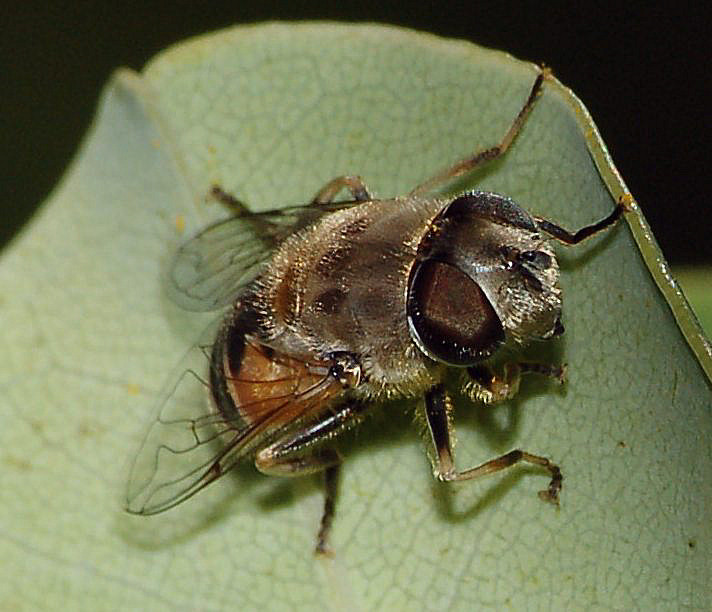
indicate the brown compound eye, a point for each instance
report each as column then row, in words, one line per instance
column 450, row 317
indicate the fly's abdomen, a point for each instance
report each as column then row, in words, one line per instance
column 257, row 387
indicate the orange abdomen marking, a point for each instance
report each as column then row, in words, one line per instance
column 274, row 389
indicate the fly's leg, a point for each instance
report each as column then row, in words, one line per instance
column 486, row 385
column 298, row 217
column 331, row 487
column 567, row 237
column 437, row 412
column 293, row 455
column 268, row 230
column 358, row 189
column 322, row 203
column 470, row 163
column 229, row 201
column 326, row 460
column 355, row 185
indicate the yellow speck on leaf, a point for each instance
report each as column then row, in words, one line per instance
column 180, row 223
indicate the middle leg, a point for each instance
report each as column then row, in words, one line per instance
column 355, row 185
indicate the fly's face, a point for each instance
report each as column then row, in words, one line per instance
column 334, row 305
column 483, row 275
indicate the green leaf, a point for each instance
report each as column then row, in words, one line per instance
column 271, row 113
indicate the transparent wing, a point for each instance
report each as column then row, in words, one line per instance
column 190, row 444
column 209, row 270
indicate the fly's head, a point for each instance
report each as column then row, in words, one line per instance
column 484, row 275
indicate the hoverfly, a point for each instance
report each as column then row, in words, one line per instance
column 336, row 306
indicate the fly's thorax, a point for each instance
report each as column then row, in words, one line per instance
column 340, row 285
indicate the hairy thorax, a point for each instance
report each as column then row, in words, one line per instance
column 341, row 285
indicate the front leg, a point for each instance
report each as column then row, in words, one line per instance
column 486, row 385
column 567, row 237
column 437, row 413
column 484, row 156
column 293, row 455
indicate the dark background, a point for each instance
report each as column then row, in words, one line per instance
column 641, row 73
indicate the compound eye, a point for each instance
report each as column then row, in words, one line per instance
column 450, row 317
